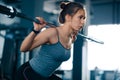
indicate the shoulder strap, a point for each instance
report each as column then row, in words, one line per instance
column 57, row 33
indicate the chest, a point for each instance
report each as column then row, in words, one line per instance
column 66, row 42
column 56, row 52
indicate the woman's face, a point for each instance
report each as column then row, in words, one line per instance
column 78, row 20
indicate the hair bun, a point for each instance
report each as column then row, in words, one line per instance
column 62, row 5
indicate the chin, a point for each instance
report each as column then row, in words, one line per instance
column 76, row 32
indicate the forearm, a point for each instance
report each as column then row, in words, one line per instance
column 27, row 42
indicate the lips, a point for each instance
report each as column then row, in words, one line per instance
column 80, row 27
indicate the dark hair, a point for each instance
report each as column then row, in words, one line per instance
column 69, row 8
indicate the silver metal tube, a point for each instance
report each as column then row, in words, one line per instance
column 94, row 40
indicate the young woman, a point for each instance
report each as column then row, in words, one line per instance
column 55, row 43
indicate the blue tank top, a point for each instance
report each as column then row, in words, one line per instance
column 49, row 58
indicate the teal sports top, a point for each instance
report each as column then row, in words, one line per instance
column 49, row 58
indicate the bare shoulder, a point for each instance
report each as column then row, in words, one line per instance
column 52, row 34
column 50, row 31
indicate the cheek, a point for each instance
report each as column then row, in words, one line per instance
column 75, row 25
column 76, row 21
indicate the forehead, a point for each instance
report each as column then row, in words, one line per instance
column 80, row 12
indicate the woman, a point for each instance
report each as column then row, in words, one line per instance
column 55, row 43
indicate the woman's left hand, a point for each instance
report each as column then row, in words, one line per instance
column 42, row 24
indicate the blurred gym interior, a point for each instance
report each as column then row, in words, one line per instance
column 90, row 60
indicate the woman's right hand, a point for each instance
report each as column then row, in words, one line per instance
column 38, row 27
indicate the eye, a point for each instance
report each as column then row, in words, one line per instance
column 82, row 17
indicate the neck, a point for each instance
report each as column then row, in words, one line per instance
column 66, row 30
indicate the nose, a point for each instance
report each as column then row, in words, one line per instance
column 82, row 21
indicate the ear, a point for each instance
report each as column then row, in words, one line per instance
column 68, row 18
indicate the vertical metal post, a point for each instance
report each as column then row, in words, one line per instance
column 80, row 52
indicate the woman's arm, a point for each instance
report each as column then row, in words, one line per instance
column 27, row 42
column 34, row 40
column 30, row 39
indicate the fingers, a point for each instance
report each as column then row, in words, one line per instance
column 38, row 26
column 42, row 21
